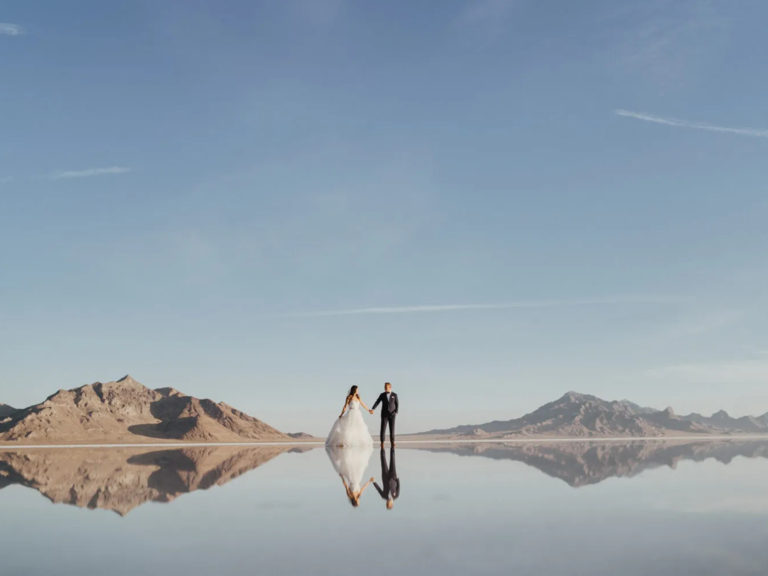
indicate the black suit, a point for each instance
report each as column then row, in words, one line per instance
column 388, row 477
column 388, row 413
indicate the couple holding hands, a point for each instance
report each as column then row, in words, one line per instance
column 349, row 446
column 350, row 429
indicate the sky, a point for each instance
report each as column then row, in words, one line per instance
column 487, row 203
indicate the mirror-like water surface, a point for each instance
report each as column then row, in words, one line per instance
column 556, row 508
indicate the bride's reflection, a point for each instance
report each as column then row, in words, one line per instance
column 350, row 464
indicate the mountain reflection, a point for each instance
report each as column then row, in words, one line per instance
column 120, row 479
column 585, row 463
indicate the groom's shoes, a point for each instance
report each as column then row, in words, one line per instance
column 382, row 445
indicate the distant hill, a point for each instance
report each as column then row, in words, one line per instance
column 126, row 411
column 585, row 416
column 6, row 411
column 301, row 436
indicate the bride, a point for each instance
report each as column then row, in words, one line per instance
column 350, row 429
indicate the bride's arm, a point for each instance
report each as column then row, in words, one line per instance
column 346, row 403
column 363, row 403
column 347, row 488
column 364, row 487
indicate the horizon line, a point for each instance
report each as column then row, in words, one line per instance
column 320, row 442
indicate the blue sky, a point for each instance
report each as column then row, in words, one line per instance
column 486, row 202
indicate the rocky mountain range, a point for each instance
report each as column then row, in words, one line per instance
column 126, row 411
column 585, row 416
column 585, row 463
column 120, row 479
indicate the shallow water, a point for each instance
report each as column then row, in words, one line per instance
column 552, row 509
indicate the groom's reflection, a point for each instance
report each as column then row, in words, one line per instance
column 391, row 489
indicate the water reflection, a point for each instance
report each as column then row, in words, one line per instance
column 492, row 512
column 120, row 479
column 350, row 464
column 585, row 463
column 390, row 481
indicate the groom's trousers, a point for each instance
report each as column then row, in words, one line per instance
column 389, row 419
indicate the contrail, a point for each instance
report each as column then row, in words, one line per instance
column 90, row 172
column 754, row 132
column 501, row 306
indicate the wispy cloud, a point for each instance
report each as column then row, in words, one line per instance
column 90, row 172
column 703, row 322
column 11, row 30
column 721, row 373
column 667, row 41
column 486, row 11
column 755, row 132
column 525, row 304
column 319, row 12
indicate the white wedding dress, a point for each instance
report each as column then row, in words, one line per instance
column 350, row 463
column 350, row 429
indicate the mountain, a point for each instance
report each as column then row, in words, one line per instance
column 6, row 411
column 301, row 436
column 637, row 408
column 120, row 479
column 585, row 416
column 723, row 421
column 126, row 411
column 585, row 463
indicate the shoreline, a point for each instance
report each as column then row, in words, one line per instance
column 319, row 442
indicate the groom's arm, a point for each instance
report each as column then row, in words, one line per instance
column 378, row 401
column 397, row 404
column 379, row 490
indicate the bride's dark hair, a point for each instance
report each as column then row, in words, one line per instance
column 352, row 392
column 355, row 501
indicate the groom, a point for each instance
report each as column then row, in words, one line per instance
column 389, row 407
